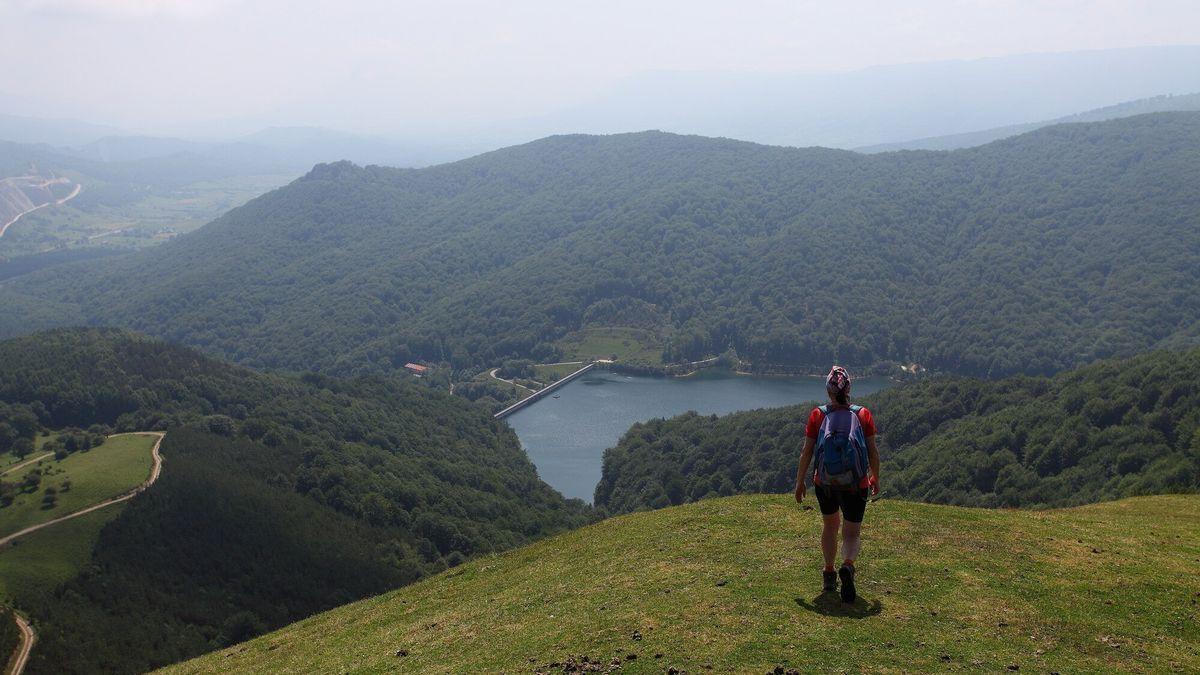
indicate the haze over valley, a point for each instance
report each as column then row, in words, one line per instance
column 466, row 338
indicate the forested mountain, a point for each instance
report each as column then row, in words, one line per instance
column 1112, row 429
column 279, row 497
column 1032, row 254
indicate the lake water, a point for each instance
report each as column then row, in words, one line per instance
column 566, row 436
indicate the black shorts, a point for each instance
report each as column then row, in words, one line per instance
column 853, row 503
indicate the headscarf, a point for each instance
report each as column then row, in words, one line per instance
column 837, row 383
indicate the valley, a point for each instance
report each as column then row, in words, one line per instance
column 334, row 362
column 566, row 437
column 121, row 217
column 288, row 473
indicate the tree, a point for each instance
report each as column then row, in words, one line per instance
column 22, row 447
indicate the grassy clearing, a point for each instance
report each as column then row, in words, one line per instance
column 8, row 459
column 553, row 372
column 514, row 390
column 38, row 563
column 117, row 466
column 732, row 584
column 625, row 344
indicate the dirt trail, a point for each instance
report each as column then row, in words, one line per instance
column 515, row 384
column 18, row 217
column 73, row 195
column 21, row 656
column 26, row 463
column 28, row 637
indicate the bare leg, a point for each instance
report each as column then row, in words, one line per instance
column 850, row 541
column 829, row 538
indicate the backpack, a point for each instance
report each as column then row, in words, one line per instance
column 841, row 449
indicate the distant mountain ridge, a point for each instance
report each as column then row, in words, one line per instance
column 51, row 131
column 1164, row 103
column 878, row 104
column 1025, row 255
column 271, row 150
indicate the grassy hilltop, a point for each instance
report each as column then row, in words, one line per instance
column 732, row 584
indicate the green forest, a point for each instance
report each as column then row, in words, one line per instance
column 1113, row 429
column 281, row 496
column 1028, row 255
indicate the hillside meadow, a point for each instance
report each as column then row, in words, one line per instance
column 733, row 585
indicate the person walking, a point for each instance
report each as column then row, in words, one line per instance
column 842, row 437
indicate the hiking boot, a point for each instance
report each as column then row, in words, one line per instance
column 847, row 575
column 830, row 581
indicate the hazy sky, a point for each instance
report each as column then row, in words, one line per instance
column 375, row 65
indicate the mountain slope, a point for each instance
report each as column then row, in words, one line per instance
column 1105, row 431
column 973, row 138
column 732, row 584
column 1026, row 255
column 279, row 496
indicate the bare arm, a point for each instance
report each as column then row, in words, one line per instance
column 805, row 460
column 873, row 458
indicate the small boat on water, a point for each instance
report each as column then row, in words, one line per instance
column 556, row 396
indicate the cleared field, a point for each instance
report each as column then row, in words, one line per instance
column 117, row 466
column 733, row 585
column 623, row 344
column 501, row 385
column 555, row 371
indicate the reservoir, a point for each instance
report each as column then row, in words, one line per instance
column 566, row 436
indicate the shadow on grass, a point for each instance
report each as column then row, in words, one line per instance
column 830, row 604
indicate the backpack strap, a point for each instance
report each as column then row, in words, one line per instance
column 855, row 408
column 824, row 409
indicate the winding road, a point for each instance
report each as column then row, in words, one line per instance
column 53, row 202
column 26, row 463
column 28, row 637
column 515, row 384
column 21, row 656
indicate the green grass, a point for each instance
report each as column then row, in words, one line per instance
column 37, row 563
column 734, row 583
column 552, row 372
column 626, row 344
column 516, row 391
column 117, row 466
column 8, row 459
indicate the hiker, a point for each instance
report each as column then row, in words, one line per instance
column 847, row 468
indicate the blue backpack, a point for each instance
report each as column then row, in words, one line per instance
column 841, row 449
